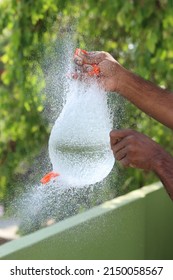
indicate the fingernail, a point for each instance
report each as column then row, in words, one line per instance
column 78, row 61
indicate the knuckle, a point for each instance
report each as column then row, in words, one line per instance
column 111, row 134
column 131, row 139
column 117, row 157
column 103, row 53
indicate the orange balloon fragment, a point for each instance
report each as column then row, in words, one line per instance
column 78, row 50
column 95, row 70
column 84, row 51
column 48, row 177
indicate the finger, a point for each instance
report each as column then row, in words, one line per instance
column 120, row 133
column 120, row 154
column 83, row 68
column 78, row 60
column 91, row 70
column 87, row 68
column 125, row 162
column 114, row 141
column 87, row 71
column 80, row 76
column 117, row 145
column 83, row 57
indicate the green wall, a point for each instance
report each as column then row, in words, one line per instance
column 138, row 225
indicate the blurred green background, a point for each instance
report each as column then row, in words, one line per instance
column 138, row 34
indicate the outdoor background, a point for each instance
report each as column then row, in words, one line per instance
column 139, row 34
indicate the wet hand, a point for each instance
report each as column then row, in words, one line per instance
column 133, row 149
column 109, row 69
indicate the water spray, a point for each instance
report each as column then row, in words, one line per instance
column 79, row 147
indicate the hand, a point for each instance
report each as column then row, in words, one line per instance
column 133, row 149
column 110, row 69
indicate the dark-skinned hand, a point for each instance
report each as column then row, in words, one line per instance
column 134, row 149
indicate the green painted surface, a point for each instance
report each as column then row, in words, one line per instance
column 159, row 226
column 138, row 225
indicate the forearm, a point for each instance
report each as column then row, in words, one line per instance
column 153, row 100
column 163, row 168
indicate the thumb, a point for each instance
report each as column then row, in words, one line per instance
column 118, row 134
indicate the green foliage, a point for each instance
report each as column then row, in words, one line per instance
column 23, row 26
column 137, row 33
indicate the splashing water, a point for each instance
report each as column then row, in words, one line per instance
column 79, row 147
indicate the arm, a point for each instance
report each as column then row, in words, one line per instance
column 154, row 101
column 133, row 149
column 164, row 170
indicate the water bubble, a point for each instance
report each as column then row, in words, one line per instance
column 79, row 145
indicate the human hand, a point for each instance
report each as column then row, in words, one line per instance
column 109, row 69
column 133, row 149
